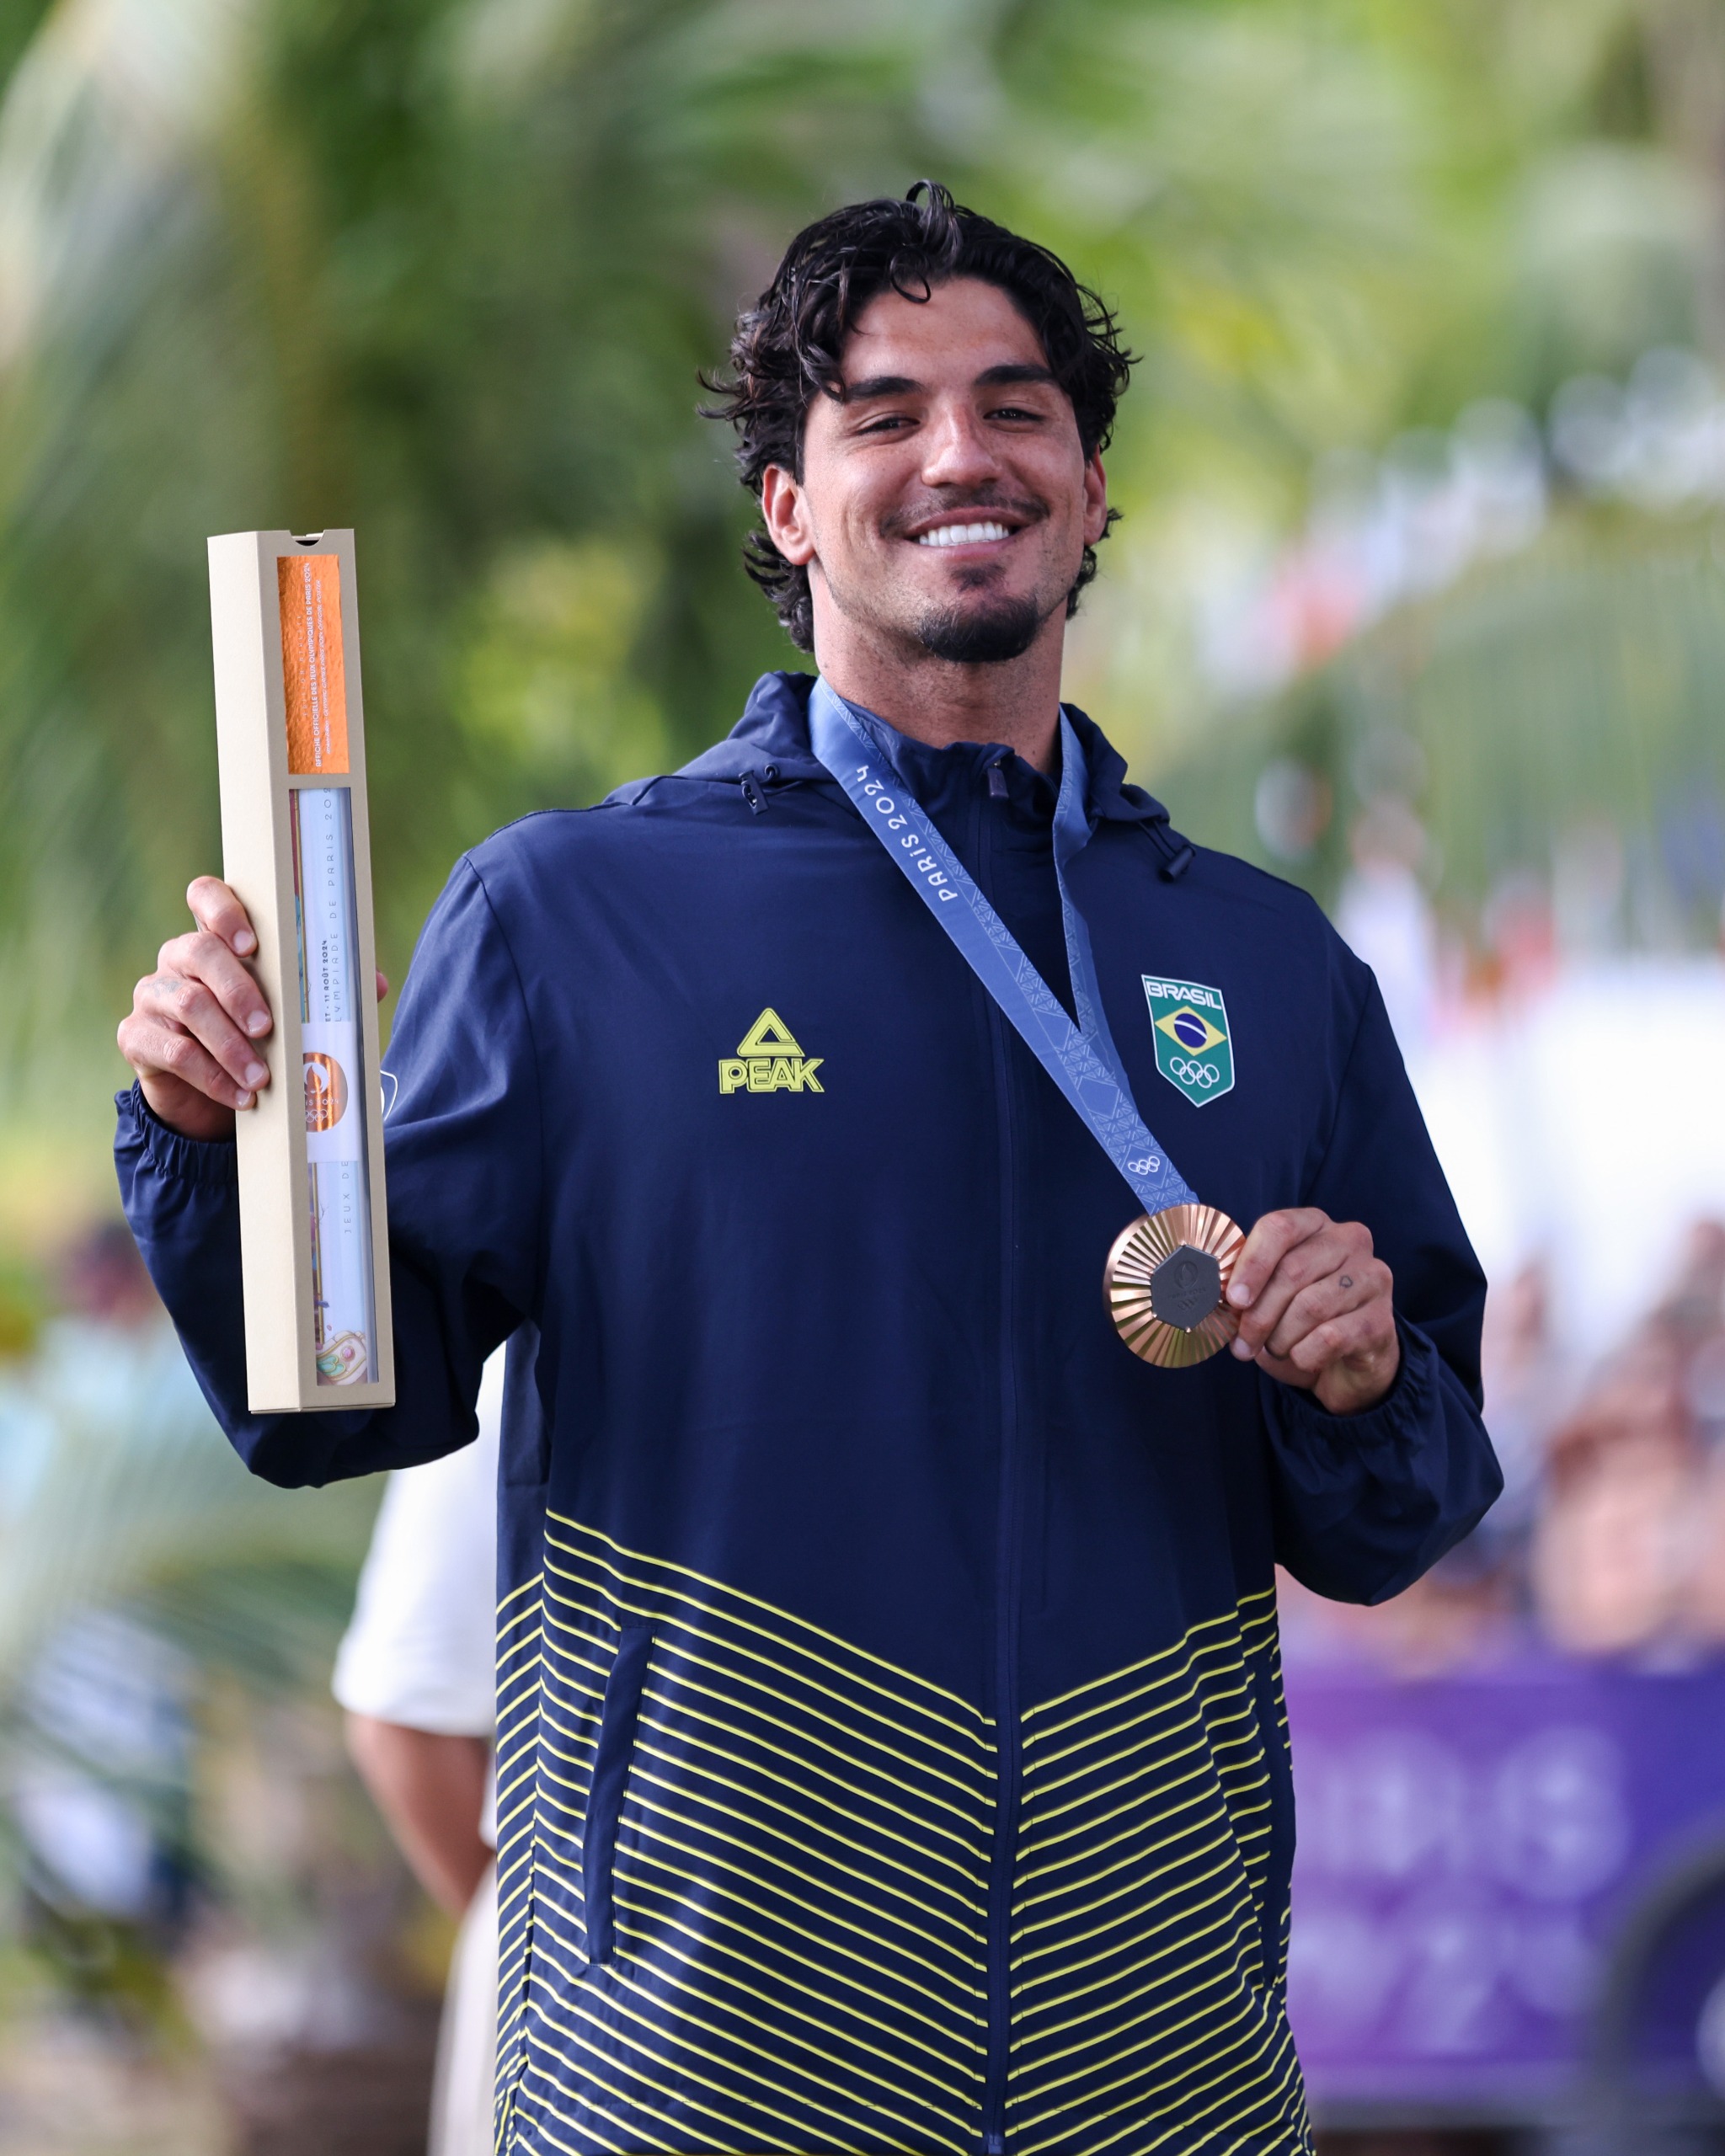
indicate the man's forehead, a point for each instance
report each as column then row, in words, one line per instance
column 965, row 329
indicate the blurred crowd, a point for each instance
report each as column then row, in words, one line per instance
column 1626, row 1547
column 1569, row 1093
column 1610, row 1538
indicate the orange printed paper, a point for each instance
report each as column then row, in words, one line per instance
column 312, row 662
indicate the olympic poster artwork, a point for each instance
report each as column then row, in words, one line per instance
column 314, row 677
column 1189, row 1023
column 335, row 1131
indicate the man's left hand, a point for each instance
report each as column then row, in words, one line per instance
column 1315, row 1307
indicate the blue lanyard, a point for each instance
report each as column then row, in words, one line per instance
column 1081, row 1059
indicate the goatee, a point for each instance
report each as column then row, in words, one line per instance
column 981, row 636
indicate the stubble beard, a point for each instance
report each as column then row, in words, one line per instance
column 975, row 629
column 988, row 634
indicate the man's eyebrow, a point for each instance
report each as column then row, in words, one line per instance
column 1018, row 370
column 901, row 385
column 878, row 384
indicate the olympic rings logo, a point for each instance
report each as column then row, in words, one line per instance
column 1194, row 1074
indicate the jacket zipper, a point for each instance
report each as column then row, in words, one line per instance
column 1006, row 1591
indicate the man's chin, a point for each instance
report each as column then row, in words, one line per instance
column 983, row 632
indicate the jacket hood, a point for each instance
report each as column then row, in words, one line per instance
column 773, row 731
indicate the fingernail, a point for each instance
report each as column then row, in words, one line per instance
column 244, row 1101
column 244, row 941
column 258, row 1021
column 1242, row 1348
column 255, row 1074
column 1240, row 1294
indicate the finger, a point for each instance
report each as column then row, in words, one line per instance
column 1350, row 1289
column 154, row 1048
column 185, row 1004
column 1264, row 1248
column 1363, row 1333
column 206, row 958
column 215, row 908
column 1332, row 1251
column 382, row 984
column 1284, row 1372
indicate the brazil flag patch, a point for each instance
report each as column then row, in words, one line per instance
column 1190, row 1028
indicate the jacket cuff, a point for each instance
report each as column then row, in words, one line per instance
column 167, row 1152
column 1402, row 1417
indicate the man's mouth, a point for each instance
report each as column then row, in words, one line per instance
column 967, row 534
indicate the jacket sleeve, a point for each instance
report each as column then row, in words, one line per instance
column 462, row 1168
column 1364, row 1503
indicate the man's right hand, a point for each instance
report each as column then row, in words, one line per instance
column 191, row 1030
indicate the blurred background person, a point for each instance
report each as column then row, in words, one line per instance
column 1629, row 1550
column 416, row 1675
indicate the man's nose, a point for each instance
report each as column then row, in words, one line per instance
column 956, row 450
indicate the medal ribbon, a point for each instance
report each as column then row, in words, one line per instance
column 1080, row 1058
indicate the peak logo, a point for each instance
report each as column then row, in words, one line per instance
column 768, row 1060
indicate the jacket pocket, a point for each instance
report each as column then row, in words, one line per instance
column 526, row 1456
column 1279, row 1868
column 611, row 1774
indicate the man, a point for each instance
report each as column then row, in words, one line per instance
column 891, row 1746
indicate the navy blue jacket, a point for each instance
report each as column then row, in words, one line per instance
column 891, row 1754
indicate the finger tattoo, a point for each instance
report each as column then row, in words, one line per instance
column 1347, row 1280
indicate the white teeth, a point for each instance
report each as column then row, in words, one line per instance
column 960, row 535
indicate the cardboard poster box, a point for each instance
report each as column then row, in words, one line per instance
column 295, row 847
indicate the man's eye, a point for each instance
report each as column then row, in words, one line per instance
column 887, row 420
column 1013, row 412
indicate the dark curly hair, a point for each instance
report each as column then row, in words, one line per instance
column 788, row 346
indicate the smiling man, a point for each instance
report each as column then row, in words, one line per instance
column 891, row 1755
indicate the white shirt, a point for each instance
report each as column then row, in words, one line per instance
column 420, row 1650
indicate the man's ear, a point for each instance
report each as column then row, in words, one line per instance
column 1096, row 498
column 784, row 509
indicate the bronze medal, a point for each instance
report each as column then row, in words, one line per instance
column 1165, row 1282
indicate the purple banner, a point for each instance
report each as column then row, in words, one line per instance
column 1469, row 1847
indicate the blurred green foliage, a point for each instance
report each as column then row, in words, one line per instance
column 23, row 1299
column 222, row 1601
column 1554, row 719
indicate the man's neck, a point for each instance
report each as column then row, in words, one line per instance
column 1014, row 702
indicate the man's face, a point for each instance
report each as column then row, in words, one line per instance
column 945, row 500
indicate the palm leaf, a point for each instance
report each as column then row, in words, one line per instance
column 1574, row 690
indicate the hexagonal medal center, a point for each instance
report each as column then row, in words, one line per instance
column 1185, row 1288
